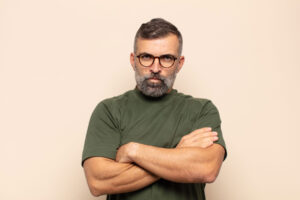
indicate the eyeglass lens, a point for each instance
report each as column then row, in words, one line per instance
column 165, row 60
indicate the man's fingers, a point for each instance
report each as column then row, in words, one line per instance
column 208, row 141
column 203, row 130
column 204, row 134
column 197, row 136
column 215, row 138
column 203, row 137
column 207, row 134
column 208, row 137
column 199, row 131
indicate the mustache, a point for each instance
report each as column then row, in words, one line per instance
column 152, row 75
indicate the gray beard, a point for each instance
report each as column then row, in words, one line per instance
column 156, row 89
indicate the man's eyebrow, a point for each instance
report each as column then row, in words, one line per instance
column 145, row 53
column 168, row 54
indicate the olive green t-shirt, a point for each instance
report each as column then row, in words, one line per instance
column 161, row 122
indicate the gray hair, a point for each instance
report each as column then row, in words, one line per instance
column 157, row 28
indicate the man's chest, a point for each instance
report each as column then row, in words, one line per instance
column 161, row 126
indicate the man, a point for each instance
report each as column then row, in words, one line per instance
column 153, row 142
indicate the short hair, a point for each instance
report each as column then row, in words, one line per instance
column 157, row 28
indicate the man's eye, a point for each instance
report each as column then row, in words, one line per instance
column 146, row 57
column 167, row 58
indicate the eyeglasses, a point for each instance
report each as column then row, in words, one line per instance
column 165, row 61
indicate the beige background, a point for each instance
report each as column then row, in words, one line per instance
column 59, row 58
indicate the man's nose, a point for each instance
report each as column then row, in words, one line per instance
column 155, row 67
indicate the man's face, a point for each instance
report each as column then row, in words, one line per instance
column 156, row 80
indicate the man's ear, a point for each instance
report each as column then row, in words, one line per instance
column 132, row 60
column 180, row 63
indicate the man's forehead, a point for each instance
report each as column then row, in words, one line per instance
column 158, row 46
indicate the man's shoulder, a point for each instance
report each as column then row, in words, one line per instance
column 194, row 101
column 118, row 98
column 115, row 101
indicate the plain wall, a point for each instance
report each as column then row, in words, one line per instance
column 59, row 58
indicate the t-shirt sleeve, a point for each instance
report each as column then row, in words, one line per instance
column 103, row 136
column 209, row 117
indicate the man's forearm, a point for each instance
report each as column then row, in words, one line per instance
column 190, row 164
column 106, row 176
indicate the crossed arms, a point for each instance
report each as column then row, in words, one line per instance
column 196, row 159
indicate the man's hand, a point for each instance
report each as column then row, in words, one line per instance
column 203, row 138
column 194, row 160
column 125, row 151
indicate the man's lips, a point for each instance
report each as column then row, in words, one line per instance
column 154, row 79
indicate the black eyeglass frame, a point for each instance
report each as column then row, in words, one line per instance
column 154, row 57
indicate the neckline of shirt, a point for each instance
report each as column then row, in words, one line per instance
column 163, row 98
